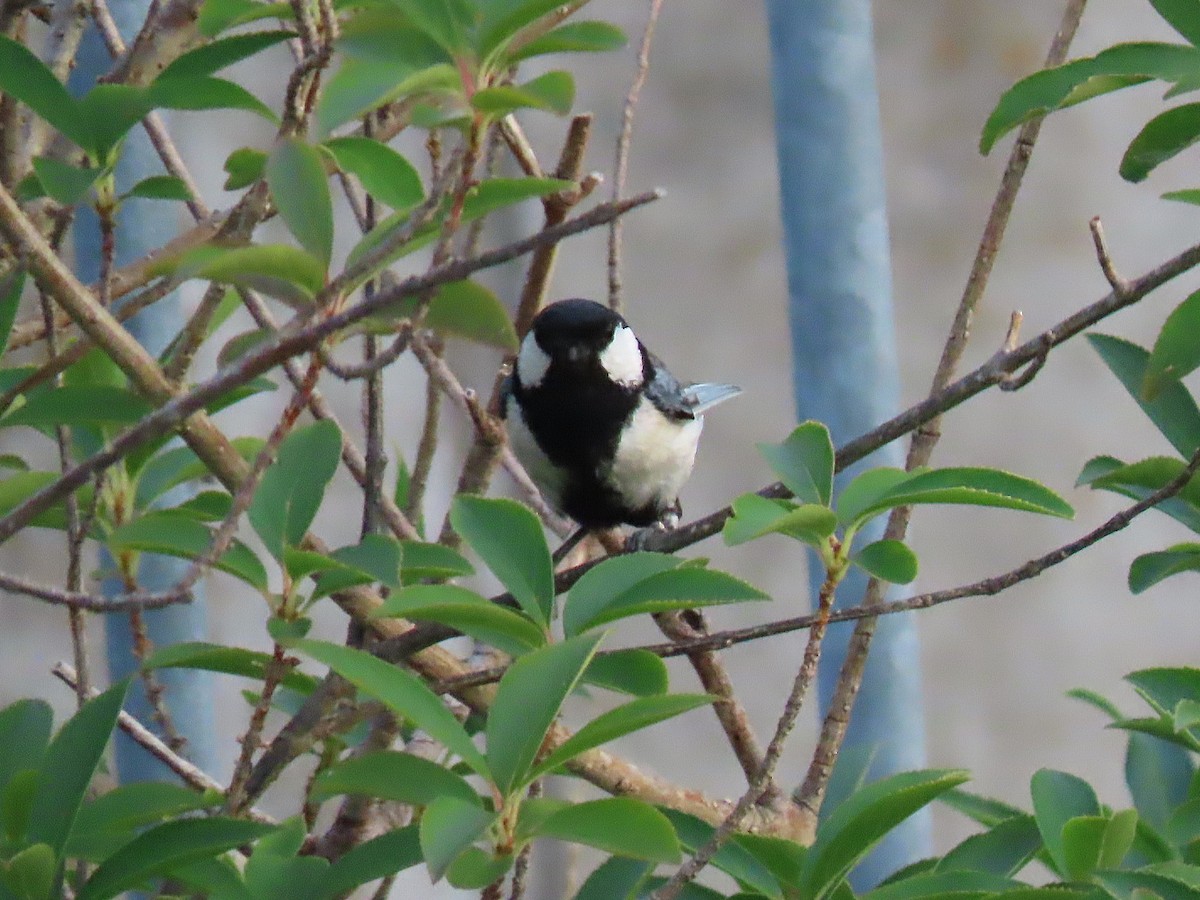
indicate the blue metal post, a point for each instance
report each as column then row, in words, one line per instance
column 140, row 227
column 844, row 363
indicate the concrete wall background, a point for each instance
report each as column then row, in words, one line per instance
column 704, row 288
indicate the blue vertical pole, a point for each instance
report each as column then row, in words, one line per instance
column 141, row 225
column 843, row 346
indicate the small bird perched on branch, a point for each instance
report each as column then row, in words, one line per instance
column 608, row 434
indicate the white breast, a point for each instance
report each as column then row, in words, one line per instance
column 654, row 457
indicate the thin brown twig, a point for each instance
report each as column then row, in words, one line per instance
column 621, row 166
column 76, row 532
column 1105, row 259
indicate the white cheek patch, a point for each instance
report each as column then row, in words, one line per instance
column 654, row 457
column 532, row 362
column 622, row 358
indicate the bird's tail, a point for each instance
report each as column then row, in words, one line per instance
column 701, row 397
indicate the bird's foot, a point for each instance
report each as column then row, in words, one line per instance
column 644, row 538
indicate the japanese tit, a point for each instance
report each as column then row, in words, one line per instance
column 608, row 434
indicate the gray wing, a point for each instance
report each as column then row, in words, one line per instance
column 680, row 401
column 666, row 393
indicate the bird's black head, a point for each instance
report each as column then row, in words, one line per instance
column 581, row 338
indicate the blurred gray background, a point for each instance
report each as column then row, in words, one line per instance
column 704, row 287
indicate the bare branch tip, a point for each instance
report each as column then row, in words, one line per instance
column 1119, row 285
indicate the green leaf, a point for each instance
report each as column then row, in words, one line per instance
column 467, row 612
column 1141, row 479
column 1172, row 410
column 166, row 847
column 71, row 760
column 804, row 462
column 276, row 870
column 111, row 111
column 402, row 692
column 858, row 824
column 1096, row 842
column 422, row 560
column 1004, row 849
column 178, row 465
column 1182, row 16
column 603, row 583
column 131, row 806
column 509, row 539
column 616, row 878
column 292, row 488
column 24, row 735
column 1176, row 351
column 244, row 167
column 574, row 37
column 888, row 560
column 497, row 193
column 1149, row 569
column 392, row 775
column 1167, row 686
column 987, row 811
column 80, row 405
column 241, row 344
column 26, row 78
column 474, row 868
column 446, row 21
column 958, row 884
column 63, row 182
column 174, row 534
column 1145, row 886
column 1166, row 135
column 218, row 15
column 12, row 285
column 159, row 187
column 1111, row 69
column 504, row 20
column 625, row 719
column 197, row 94
column 448, row 827
column 392, row 851
column 637, row 672
column 278, row 270
column 31, row 872
column 527, row 701
column 784, row 859
column 755, row 516
column 1190, row 195
column 385, row 174
column 608, row 597
column 213, row 56
column 553, row 92
column 227, row 660
column 362, row 85
column 971, row 486
column 622, row 826
column 866, row 491
column 1059, row 797
column 375, row 558
column 464, row 309
column 300, row 191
